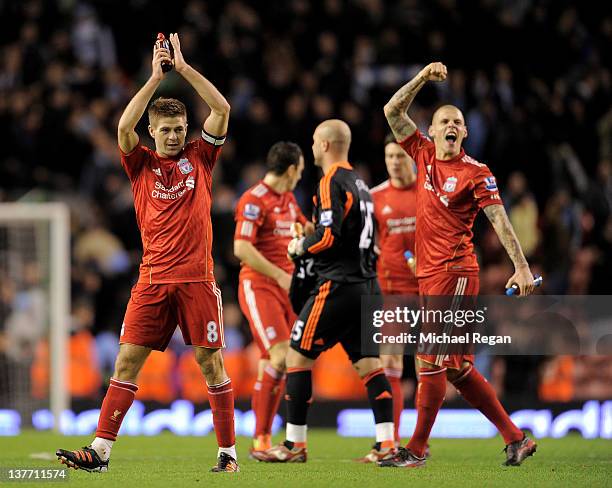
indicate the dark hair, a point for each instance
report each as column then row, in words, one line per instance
column 389, row 138
column 282, row 155
column 166, row 107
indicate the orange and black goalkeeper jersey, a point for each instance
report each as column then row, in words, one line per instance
column 343, row 242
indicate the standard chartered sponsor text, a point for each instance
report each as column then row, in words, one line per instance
column 172, row 193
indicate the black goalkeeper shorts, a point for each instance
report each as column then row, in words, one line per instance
column 332, row 314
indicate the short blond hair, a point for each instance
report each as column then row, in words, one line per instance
column 166, row 107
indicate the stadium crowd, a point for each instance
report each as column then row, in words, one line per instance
column 532, row 77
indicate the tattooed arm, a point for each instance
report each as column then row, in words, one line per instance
column 397, row 107
column 503, row 228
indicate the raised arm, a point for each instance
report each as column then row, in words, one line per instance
column 216, row 123
column 126, row 130
column 503, row 228
column 396, row 109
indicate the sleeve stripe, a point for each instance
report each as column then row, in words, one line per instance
column 326, row 191
column 349, row 203
column 325, row 188
column 246, row 229
column 325, row 243
column 214, row 140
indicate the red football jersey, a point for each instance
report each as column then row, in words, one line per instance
column 172, row 197
column 395, row 212
column 264, row 218
column 449, row 195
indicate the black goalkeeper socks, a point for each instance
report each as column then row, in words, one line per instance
column 380, row 396
column 298, row 395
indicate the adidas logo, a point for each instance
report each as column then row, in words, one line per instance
column 386, row 210
column 190, row 182
column 384, row 396
column 157, row 171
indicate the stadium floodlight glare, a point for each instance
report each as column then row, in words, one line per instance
column 39, row 233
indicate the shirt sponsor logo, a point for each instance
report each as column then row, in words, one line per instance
column 326, row 219
column 401, row 225
column 490, row 183
column 283, row 228
column 157, row 171
column 172, row 193
column 386, row 210
column 450, row 184
column 185, row 166
column 251, row 211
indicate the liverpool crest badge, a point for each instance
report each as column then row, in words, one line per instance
column 185, row 166
column 450, row 185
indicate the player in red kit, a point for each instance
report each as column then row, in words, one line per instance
column 451, row 189
column 264, row 216
column 395, row 213
column 172, row 197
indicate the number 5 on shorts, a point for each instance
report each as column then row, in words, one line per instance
column 296, row 333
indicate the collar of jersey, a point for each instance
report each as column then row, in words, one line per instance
column 403, row 188
column 456, row 159
column 269, row 187
column 166, row 160
column 341, row 164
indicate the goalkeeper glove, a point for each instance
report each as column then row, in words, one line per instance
column 296, row 247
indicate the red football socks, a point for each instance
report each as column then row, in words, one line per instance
column 255, row 397
column 272, row 386
column 117, row 401
column 221, row 398
column 395, row 380
column 480, row 394
column 431, row 391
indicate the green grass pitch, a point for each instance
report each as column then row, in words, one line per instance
column 168, row 460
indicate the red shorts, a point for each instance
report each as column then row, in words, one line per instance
column 154, row 311
column 449, row 285
column 269, row 312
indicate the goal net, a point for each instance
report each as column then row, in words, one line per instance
column 34, row 309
